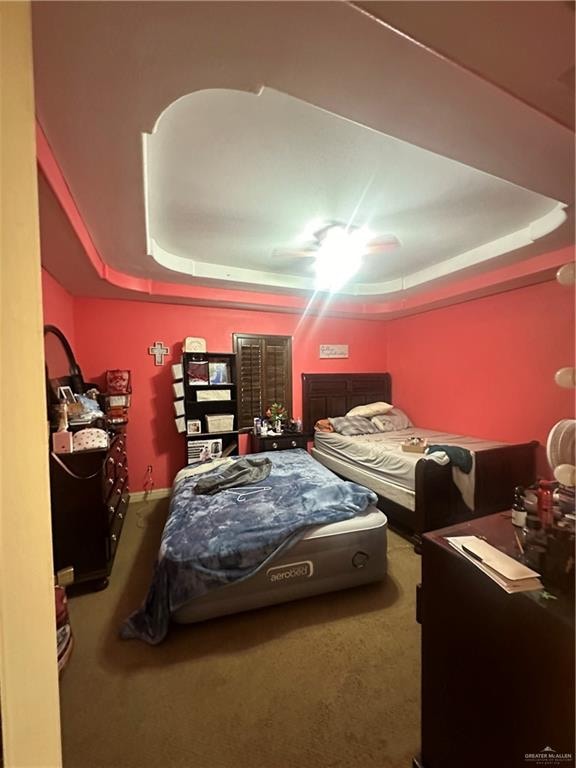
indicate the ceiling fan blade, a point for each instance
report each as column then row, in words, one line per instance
column 289, row 253
column 382, row 244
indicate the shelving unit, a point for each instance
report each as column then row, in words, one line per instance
column 210, row 391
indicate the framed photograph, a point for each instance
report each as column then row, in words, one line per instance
column 66, row 395
column 219, row 372
column 193, row 427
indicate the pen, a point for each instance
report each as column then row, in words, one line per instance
column 472, row 554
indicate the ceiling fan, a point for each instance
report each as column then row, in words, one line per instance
column 339, row 232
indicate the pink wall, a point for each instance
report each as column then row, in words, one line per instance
column 117, row 334
column 58, row 308
column 486, row 367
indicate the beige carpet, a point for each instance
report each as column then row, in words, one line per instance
column 327, row 682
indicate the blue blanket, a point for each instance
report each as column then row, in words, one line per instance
column 210, row 541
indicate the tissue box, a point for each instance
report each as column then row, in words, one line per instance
column 62, row 442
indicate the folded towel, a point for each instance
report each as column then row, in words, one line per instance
column 460, row 457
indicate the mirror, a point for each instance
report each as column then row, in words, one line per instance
column 61, row 366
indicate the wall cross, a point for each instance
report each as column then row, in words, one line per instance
column 159, row 351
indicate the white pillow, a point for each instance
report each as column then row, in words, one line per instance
column 392, row 421
column 370, row 409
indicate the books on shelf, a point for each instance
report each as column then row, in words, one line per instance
column 511, row 575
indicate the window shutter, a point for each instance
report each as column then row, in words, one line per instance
column 264, row 365
column 249, row 360
column 277, row 374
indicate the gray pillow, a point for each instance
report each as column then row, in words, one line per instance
column 392, row 421
column 353, row 425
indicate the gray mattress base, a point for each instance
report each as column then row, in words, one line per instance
column 316, row 564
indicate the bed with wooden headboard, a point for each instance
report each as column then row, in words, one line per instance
column 437, row 501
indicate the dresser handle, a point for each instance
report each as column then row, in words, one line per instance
column 110, row 480
column 120, row 515
column 111, row 459
column 114, row 537
column 274, row 445
column 293, row 443
column 111, row 510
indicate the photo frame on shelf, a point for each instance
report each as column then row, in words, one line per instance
column 193, row 427
column 219, row 372
column 66, row 395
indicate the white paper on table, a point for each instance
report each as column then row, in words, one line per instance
column 508, row 573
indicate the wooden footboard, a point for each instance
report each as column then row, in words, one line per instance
column 498, row 472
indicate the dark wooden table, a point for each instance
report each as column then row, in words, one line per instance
column 497, row 669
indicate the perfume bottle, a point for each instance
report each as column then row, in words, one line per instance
column 518, row 509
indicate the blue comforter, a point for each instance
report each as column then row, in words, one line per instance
column 210, row 541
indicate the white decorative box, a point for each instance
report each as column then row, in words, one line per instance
column 180, row 424
column 178, row 389
column 221, row 422
column 194, row 344
column 179, row 407
column 177, row 372
column 212, row 394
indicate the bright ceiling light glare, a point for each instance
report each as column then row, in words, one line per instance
column 339, row 257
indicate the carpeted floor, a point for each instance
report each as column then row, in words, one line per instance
column 327, row 682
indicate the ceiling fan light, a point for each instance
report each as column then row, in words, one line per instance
column 334, row 267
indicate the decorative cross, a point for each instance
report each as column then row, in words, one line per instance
column 159, row 351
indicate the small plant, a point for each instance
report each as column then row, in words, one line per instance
column 276, row 412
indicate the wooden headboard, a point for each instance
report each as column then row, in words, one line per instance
column 334, row 394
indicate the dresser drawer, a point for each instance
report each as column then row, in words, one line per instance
column 116, row 525
column 278, row 442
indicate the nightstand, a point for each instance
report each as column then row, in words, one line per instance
column 284, row 442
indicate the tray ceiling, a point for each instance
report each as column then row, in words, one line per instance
column 199, row 141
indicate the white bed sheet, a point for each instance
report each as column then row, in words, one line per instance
column 381, row 456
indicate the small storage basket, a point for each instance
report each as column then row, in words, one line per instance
column 222, row 422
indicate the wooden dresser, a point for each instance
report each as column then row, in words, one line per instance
column 497, row 669
column 89, row 498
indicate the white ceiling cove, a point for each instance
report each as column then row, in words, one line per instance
column 232, row 177
column 203, row 141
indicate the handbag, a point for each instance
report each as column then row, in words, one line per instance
column 89, row 439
